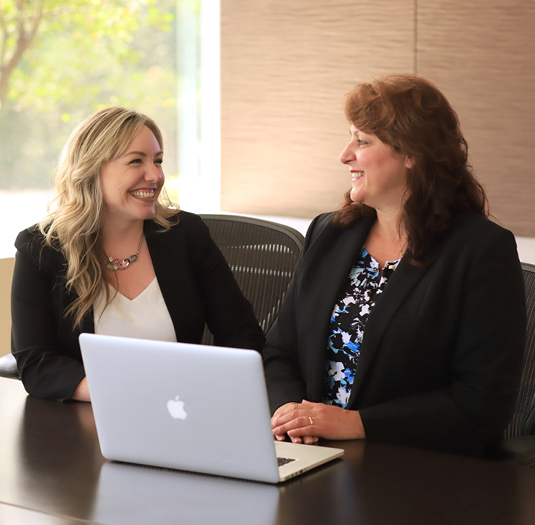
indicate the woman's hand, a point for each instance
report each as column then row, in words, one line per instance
column 81, row 392
column 306, row 422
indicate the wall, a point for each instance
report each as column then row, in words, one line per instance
column 6, row 272
column 286, row 66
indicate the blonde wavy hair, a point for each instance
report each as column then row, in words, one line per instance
column 73, row 227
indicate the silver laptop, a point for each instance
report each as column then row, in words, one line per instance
column 189, row 407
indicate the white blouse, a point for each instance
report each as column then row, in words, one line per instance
column 144, row 317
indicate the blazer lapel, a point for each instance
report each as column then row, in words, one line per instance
column 400, row 285
column 161, row 251
column 339, row 257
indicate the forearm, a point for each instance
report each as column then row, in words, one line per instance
column 49, row 375
column 244, row 333
column 81, row 392
column 36, row 310
column 284, row 380
column 431, row 420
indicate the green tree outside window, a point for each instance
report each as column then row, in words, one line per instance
column 63, row 59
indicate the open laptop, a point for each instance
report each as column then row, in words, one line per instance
column 188, row 407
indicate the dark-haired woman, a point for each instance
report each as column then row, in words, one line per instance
column 405, row 320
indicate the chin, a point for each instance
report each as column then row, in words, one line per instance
column 146, row 213
column 354, row 196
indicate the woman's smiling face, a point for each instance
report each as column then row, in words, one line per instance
column 378, row 174
column 132, row 183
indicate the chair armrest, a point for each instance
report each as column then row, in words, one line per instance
column 8, row 367
column 516, row 451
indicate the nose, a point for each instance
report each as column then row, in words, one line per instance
column 154, row 173
column 347, row 154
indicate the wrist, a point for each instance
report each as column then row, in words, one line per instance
column 357, row 426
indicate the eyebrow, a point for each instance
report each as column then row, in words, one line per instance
column 141, row 153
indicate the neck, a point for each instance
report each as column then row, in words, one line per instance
column 119, row 239
column 386, row 240
column 390, row 226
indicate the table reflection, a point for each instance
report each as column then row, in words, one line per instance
column 132, row 494
column 59, row 457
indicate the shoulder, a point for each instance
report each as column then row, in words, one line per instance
column 31, row 242
column 31, row 247
column 29, row 238
column 183, row 223
column 324, row 228
column 476, row 244
column 479, row 230
column 318, row 225
column 188, row 233
column 323, row 220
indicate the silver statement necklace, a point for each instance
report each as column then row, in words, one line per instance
column 117, row 264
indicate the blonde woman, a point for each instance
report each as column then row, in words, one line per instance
column 112, row 259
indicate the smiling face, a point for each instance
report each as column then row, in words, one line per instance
column 132, row 183
column 378, row 174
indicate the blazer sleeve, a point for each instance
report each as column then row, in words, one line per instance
column 284, row 378
column 475, row 403
column 229, row 315
column 45, row 369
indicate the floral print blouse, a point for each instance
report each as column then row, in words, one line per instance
column 347, row 324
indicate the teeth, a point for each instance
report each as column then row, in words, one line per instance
column 143, row 194
column 357, row 175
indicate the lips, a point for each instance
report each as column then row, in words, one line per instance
column 143, row 194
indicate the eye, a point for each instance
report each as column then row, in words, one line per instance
column 158, row 161
column 135, row 161
column 361, row 142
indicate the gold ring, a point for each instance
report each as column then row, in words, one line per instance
column 311, row 420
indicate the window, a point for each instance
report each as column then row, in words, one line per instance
column 88, row 54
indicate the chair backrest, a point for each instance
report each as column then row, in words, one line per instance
column 262, row 256
column 523, row 422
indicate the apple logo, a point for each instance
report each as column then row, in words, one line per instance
column 176, row 408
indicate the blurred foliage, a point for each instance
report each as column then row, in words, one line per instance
column 84, row 55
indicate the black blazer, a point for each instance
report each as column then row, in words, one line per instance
column 196, row 283
column 442, row 350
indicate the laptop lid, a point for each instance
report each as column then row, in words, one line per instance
column 185, row 406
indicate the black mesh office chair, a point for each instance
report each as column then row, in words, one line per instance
column 262, row 256
column 518, row 445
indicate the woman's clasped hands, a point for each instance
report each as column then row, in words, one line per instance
column 306, row 422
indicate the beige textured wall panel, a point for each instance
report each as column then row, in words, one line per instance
column 285, row 68
column 6, row 274
column 481, row 53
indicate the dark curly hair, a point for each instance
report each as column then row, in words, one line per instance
column 412, row 116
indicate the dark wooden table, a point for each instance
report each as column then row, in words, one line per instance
column 52, row 472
